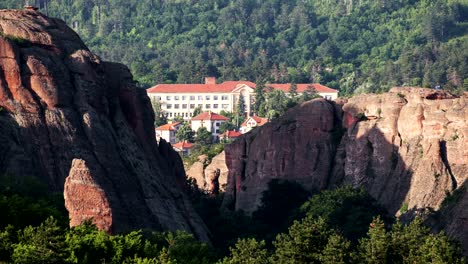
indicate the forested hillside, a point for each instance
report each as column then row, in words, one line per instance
column 356, row 46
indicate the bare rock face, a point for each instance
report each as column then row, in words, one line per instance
column 211, row 178
column 300, row 146
column 408, row 148
column 85, row 199
column 197, row 171
column 216, row 174
column 82, row 125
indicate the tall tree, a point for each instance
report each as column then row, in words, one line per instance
column 160, row 118
column 185, row 133
column 259, row 99
column 203, row 137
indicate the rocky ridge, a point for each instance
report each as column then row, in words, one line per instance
column 408, row 148
column 81, row 125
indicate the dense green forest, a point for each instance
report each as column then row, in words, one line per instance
column 345, row 225
column 354, row 46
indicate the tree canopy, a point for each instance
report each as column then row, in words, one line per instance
column 354, row 46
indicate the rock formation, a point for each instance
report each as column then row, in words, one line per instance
column 82, row 125
column 299, row 146
column 408, row 148
column 212, row 177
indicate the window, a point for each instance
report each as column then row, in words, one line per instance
column 207, row 97
column 184, row 97
column 192, row 106
column 200, row 105
column 224, row 97
column 176, row 106
column 225, row 106
column 215, row 97
column 217, row 124
column 192, row 97
column 207, row 106
column 176, row 97
column 217, row 131
column 170, row 114
column 168, row 97
column 184, row 106
column 215, row 106
column 168, row 106
column 200, row 98
column 186, row 114
column 157, row 98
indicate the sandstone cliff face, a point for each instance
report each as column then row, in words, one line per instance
column 81, row 125
column 213, row 177
column 299, row 146
column 408, row 148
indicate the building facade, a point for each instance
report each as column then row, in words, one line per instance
column 252, row 122
column 211, row 121
column 182, row 99
column 167, row 132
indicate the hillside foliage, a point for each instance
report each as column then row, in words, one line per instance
column 354, row 46
column 323, row 230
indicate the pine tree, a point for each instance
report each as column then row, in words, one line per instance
column 374, row 248
column 259, row 99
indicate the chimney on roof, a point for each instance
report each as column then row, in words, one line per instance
column 210, row 80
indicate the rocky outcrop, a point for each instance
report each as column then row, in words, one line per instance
column 300, row 146
column 211, row 178
column 408, row 148
column 82, row 126
column 216, row 174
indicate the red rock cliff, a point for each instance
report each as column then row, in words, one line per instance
column 82, row 125
column 408, row 148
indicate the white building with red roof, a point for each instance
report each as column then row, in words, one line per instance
column 252, row 122
column 182, row 99
column 230, row 134
column 211, row 121
column 167, row 132
column 183, row 147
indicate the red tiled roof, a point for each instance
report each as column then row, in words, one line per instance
column 301, row 87
column 229, row 86
column 224, row 87
column 231, row 134
column 209, row 116
column 168, row 127
column 183, row 145
column 260, row 121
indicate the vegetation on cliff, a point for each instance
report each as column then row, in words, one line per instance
column 363, row 45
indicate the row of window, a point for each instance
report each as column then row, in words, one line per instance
column 180, row 115
column 192, row 106
column 192, row 97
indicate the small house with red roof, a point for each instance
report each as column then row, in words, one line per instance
column 229, row 135
column 211, row 121
column 167, row 132
column 183, row 147
column 252, row 122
